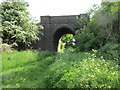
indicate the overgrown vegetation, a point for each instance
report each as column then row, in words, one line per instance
column 102, row 32
column 91, row 63
column 19, row 29
column 24, row 69
column 33, row 69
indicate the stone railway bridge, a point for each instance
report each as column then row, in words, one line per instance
column 54, row 28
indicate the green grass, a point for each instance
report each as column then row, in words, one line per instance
column 33, row 69
column 17, row 59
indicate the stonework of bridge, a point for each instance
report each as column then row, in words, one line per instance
column 54, row 28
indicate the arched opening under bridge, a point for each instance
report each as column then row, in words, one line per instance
column 58, row 34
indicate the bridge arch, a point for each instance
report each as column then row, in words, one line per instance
column 59, row 33
column 54, row 28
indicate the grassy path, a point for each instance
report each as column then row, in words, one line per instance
column 28, row 76
column 25, row 75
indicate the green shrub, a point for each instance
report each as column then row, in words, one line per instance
column 86, row 40
column 90, row 74
column 74, row 71
column 102, row 28
column 61, row 64
column 109, row 51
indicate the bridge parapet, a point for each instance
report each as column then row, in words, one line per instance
column 60, row 19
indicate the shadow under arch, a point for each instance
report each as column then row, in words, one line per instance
column 58, row 34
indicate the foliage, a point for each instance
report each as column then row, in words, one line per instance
column 67, row 43
column 38, row 69
column 109, row 51
column 86, row 39
column 18, row 28
column 72, row 70
column 62, row 64
column 91, row 73
column 0, row 30
column 102, row 30
column 82, row 21
column 68, row 40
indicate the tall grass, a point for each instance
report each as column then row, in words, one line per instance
column 38, row 69
column 17, row 59
column 25, row 68
column 21, row 58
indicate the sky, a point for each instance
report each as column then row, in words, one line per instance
column 39, row 8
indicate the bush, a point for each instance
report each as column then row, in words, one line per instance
column 82, row 71
column 86, row 40
column 61, row 64
column 103, row 28
column 109, row 51
column 89, row 73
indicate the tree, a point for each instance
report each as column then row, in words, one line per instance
column 18, row 28
column 102, row 31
